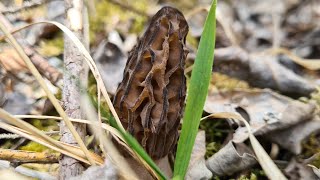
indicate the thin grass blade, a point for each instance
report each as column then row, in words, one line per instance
column 197, row 94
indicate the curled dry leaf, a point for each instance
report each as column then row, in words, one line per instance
column 150, row 99
column 260, row 71
column 197, row 166
column 230, row 159
column 292, row 137
column 265, row 110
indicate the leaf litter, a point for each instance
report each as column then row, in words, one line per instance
column 244, row 45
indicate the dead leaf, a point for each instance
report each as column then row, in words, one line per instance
column 297, row 171
column 230, row 159
column 106, row 171
column 17, row 103
column 12, row 62
column 269, row 167
column 197, row 166
column 265, row 110
column 261, row 71
column 292, row 137
column 111, row 62
column 315, row 170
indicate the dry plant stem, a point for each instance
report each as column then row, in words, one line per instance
column 67, row 149
column 29, row 128
column 89, row 60
column 107, row 145
column 48, row 71
column 42, row 83
column 106, row 127
column 28, row 156
column 73, row 80
column 272, row 171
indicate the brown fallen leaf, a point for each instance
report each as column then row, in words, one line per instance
column 230, row 159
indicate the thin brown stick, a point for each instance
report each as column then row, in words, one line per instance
column 18, row 156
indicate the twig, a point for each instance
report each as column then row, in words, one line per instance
column 28, row 156
column 69, row 150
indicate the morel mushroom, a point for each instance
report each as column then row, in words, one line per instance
column 150, row 99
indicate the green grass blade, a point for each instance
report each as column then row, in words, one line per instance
column 133, row 143
column 197, row 94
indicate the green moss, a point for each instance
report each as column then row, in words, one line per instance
column 192, row 41
column 33, row 146
column 52, row 47
column 310, row 147
column 106, row 14
column 7, row 144
column 243, row 177
column 316, row 96
column 224, row 82
column 255, row 173
column 216, row 132
column 44, row 125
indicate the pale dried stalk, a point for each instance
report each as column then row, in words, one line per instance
column 67, row 149
column 89, row 60
column 42, row 83
column 107, row 145
column 74, row 82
